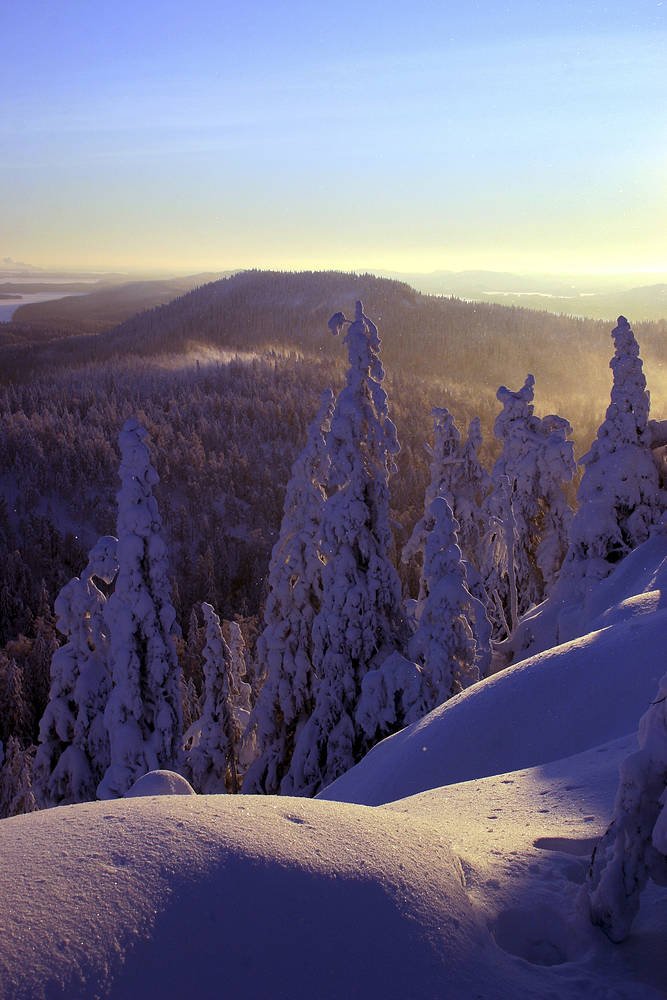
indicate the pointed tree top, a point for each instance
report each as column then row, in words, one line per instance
column 358, row 311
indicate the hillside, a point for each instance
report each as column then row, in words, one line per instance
column 100, row 308
column 470, row 889
column 226, row 378
column 472, row 346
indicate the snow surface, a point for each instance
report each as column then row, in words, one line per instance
column 473, row 889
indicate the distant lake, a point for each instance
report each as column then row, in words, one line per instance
column 9, row 306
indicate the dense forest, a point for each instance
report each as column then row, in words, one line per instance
column 226, row 380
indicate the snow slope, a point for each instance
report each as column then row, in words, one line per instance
column 473, row 890
column 578, row 695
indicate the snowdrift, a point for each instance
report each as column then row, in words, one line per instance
column 578, row 695
column 470, row 889
column 232, row 896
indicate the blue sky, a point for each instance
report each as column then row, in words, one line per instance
column 413, row 136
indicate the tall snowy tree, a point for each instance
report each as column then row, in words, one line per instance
column 634, row 848
column 457, row 475
column 212, row 762
column 619, row 497
column 451, row 648
column 73, row 751
column 143, row 714
column 360, row 621
column 284, row 649
column 448, row 616
column 16, row 795
column 14, row 710
column 527, row 511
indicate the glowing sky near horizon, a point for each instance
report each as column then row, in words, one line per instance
column 414, row 136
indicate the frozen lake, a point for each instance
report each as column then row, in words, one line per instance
column 9, row 306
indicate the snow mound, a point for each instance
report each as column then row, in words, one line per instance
column 160, row 783
column 255, row 896
column 583, row 693
column 635, row 587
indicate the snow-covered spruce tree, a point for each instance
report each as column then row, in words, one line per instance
column 448, row 616
column 241, row 694
column 212, row 762
column 451, row 647
column 143, row 714
column 360, row 621
column 457, row 475
column 16, row 795
column 527, row 511
column 619, row 498
column 73, row 751
column 634, row 848
column 14, row 711
column 284, row 649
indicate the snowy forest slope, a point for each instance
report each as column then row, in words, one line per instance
column 470, row 889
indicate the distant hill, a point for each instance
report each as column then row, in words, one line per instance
column 103, row 307
column 470, row 348
column 593, row 297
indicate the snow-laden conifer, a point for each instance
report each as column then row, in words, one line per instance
column 447, row 614
column 143, row 714
column 73, row 751
column 241, row 695
column 619, row 497
column 15, row 717
column 527, row 511
column 212, row 760
column 16, row 794
column 634, row 848
column 457, row 475
column 360, row 620
column 284, row 649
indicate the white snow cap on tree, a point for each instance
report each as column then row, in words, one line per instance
column 284, row 649
column 143, row 714
column 73, row 753
column 212, row 761
column 634, row 848
column 360, row 621
column 619, row 497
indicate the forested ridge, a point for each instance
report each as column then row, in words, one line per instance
column 226, row 379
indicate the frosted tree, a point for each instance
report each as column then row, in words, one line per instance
column 447, row 614
column 212, row 760
column 473, row 488
column 241, row 695
column 284, row 649
column 527, row 510
column 15, row 717
column 619, row 498
column 451, row 647
column 143, row 714
column 16, row 795
column 73, row 751
column 634, row 848
column 457, row 475
column 360, row 621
